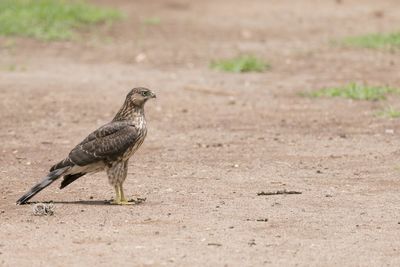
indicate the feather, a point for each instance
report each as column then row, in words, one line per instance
column 70, row 178
column 107, row 143
column 48, row 180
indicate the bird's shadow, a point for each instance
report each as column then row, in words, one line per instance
column 85, row 202
column 90, row 202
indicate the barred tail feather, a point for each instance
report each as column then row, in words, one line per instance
column 49, row 179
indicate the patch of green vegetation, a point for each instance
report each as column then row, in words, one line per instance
column 389, row 112
column 152, row 21
column 355, row 91
column 13, row 68
column 376, row 41
column 245, row 63
column 50, row 19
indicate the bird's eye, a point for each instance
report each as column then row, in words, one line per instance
column 144, row 93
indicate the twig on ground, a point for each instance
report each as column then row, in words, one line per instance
column 214, row 244
column 279, row 192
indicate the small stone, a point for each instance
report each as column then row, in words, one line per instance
column 389, row 131
column 140, row 57
column 232, row 102
column 246, row 34
column 378, row 14
column 252, row 242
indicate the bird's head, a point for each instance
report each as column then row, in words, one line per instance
column 138, row 96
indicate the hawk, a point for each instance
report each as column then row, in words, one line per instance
column 106, row 149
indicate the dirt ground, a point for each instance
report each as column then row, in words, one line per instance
column 214, row 141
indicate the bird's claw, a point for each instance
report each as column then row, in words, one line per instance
column 122, row 202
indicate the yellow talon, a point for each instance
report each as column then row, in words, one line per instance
column 119, row 197
column 114, row 202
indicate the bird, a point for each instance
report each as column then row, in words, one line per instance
column 108, row 149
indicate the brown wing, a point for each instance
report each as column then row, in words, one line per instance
column 107, row 143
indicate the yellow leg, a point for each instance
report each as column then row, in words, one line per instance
column 121, row 193
column 119, row 197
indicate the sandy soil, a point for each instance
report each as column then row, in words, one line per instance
column 215, row 140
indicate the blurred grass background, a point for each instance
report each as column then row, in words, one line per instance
column 243, row 63
column 355, row 91
column 389, row 112
column 375, row 41
column 50, row 19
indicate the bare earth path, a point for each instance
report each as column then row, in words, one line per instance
column 215, row 140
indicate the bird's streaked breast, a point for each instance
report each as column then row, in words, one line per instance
column 140, row 124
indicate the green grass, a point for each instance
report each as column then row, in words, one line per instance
column 246, row 63
column 152, row 21
column 389, row 112
column 355, row 91
column 14, row 67
column 375, row 41
column 50, row 19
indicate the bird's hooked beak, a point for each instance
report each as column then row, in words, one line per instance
column 153, row 95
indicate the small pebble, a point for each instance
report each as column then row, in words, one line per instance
column 389, row 131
